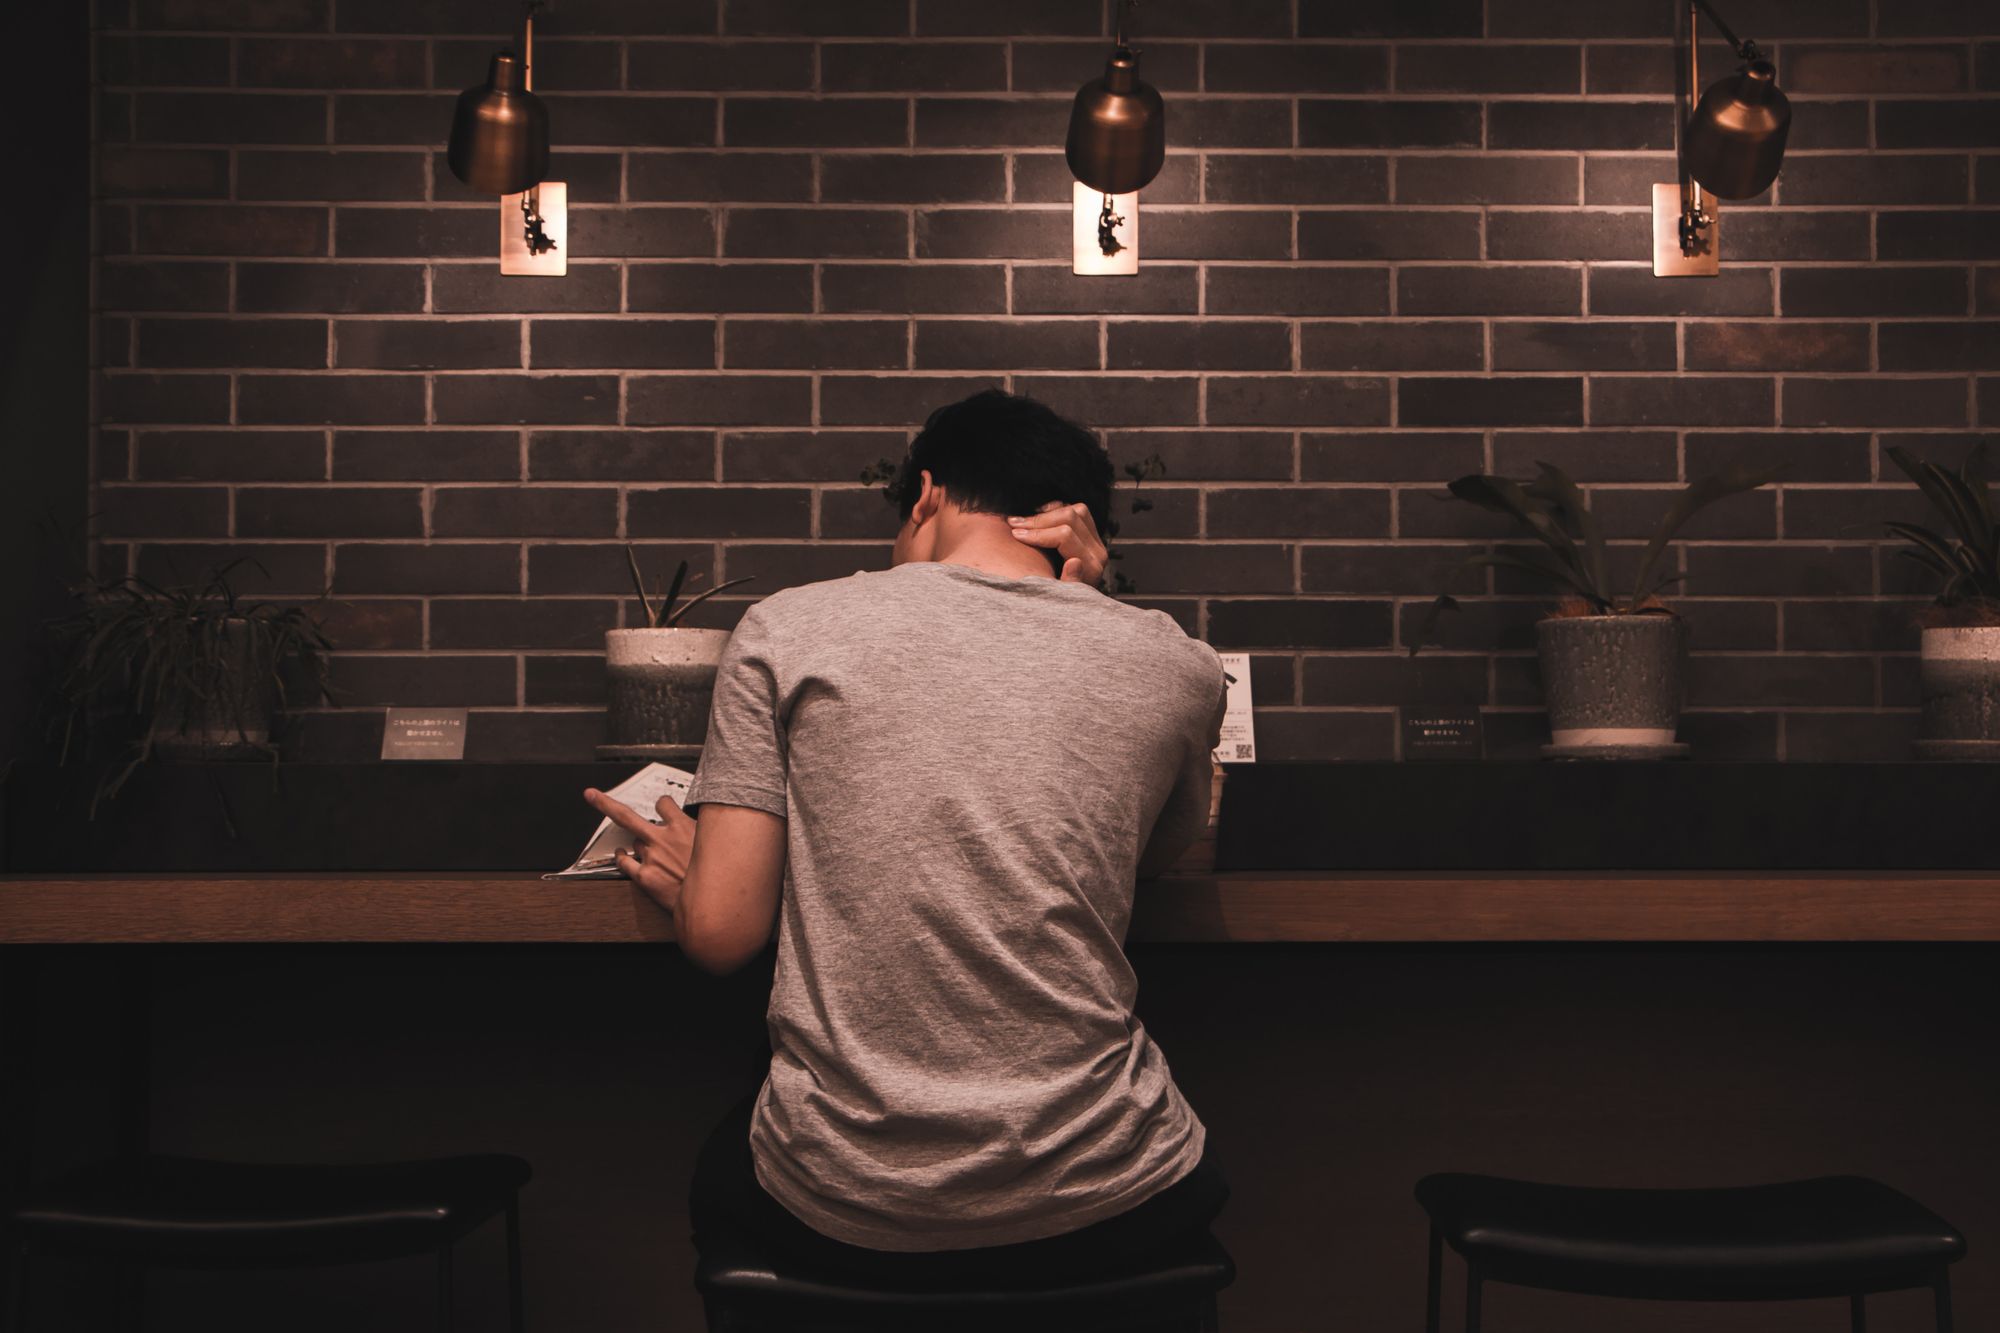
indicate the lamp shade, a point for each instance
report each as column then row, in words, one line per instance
column 500, row 132
column 1736, row 140
column 1117, row 129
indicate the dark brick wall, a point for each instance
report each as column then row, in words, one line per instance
column 1393, row 242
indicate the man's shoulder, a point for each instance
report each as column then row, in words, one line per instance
column 814, row 601
column 1164, row 643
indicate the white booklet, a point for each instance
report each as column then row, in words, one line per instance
column 642, row 791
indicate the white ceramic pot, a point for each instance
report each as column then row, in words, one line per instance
column 1961, row 684
column 660, row 684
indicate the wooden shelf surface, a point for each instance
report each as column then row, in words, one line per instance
column 1416, row 907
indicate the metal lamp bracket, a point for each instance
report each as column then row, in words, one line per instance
column 1686, row 222
column 1675, row 230
column 534, row 224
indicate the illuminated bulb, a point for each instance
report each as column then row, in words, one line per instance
column 1104, row 231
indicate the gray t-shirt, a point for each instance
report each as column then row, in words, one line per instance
column 969, row 766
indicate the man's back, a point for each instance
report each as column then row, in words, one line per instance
column 970, row 766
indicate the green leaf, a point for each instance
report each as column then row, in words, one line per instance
column 1698, row 496
column 1555, row 485
column 639, row 583
column 1951, row 555
column 1929, row 561
column 1965, row 500
column 667, row 613
column 1974, row 527
column 1443, row 602
column 1543, row 565
column 699, row 598
column 1532, row 561
column 1972, row 471
column 1939, row 487
column 1978, row 495
column 1501, row 496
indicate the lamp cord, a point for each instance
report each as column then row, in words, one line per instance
column 1745, row 50
column 1127, row 11
column 1695, row 220
column 538, row 241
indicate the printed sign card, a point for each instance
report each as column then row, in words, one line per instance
column 1239, row 731
column 424, row 733
column 1441, row 733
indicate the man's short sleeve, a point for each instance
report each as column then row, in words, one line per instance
column 743, row 759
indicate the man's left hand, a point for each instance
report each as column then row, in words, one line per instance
column 658, row 860
column 1070, row 531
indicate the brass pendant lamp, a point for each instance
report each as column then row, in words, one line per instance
column 1736, row 138
column 1117, row 130
column 500, row 129
column 1734, row 141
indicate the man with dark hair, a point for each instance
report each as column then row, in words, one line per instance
column 998, row 454
column 940, row 782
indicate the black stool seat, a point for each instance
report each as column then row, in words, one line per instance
column 187, row 1212
column 745, row 1289
column 1832, row 1236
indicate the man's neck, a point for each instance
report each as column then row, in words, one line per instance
column 984, row 542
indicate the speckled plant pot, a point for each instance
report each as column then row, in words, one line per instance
column 660, row 684
column 1612, row 682
column 1961, row 683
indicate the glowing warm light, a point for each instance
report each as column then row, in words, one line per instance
column 1087, row 209
column 552, row 199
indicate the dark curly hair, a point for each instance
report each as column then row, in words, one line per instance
column 996, row 453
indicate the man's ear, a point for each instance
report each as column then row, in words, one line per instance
column 930, row 498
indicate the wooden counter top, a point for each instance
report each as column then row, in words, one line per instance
column 1356, row 906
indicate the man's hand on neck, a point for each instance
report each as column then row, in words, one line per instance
column 1060, row 541
column 985, row 542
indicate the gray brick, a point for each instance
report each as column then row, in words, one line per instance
column 1393, row 345
column 1389, row 234
column 1490, row 290
column 1582, row 345
column 1681, row 400
column 1502, row 401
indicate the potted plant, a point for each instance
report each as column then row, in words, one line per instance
column 1961, row 628
column 189, row 672
column 1611, row 664
column 661, row 676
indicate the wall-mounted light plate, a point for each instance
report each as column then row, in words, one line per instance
column 1088, row 255
column 1668, row 261
column 514, row 256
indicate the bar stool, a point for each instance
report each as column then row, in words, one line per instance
column 1808, row 1239
column 180, row 1212
column 744, row 1291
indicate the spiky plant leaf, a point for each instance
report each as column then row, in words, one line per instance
column 1953, row 557
column 639, row 585
column 1555, row 485
column 666, row 615
column 1536, row 562
column 1501, row 496
column 1698, row 496
column 701, row 597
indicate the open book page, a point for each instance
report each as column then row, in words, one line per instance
column 642, row 791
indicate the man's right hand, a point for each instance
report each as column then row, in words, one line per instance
column 1070, row 531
